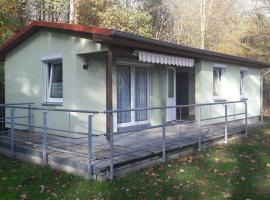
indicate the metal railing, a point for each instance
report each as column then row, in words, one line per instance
column 39, row 129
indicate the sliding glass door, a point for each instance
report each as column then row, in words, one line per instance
column 132, row 92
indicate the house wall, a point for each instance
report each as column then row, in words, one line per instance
column 82, row 89
column 231, row 90
column 85, row 89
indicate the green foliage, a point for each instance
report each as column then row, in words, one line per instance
column 126, row 19
column 49, row 10
column 12, row 17
column 112, row 14
column 256, row 40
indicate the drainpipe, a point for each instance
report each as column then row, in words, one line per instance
column 261, row 91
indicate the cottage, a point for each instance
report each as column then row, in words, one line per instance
column 129, row 83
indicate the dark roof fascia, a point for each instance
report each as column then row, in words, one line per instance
column 194, row 52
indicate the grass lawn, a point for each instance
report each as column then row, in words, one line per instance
column 239, row 170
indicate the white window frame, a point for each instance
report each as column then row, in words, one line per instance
column 245, row 72
column 133, row 122
column 221, row 67
column 48, row 99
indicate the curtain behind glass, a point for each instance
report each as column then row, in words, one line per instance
column 242, row 87
column 141, row 93
column 216, row 82
column 56, row 84
column 123, row 94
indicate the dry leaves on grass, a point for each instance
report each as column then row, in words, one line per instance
column 203, row 193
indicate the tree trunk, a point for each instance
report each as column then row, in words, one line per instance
column 71, row 19
column 203, row 22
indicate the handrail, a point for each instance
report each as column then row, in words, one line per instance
column 116, row 110
column 55, row 109
column 15, row 104
column 177, row 106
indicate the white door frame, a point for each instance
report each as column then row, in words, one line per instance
column 170, row 101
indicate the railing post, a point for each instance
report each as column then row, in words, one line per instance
column 180, row 112
column 246, row 116
column 111, row 146
column 164, row 135
column 30, row 122
column 45, row 133
column 12, row 143
column 90, row 146
column 199, row 131
column 226, row 123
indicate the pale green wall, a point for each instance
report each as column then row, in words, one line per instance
column 204, row 89
column 24, row 78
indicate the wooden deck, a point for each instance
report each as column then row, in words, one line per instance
column 128, row 147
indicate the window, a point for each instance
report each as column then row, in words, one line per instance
column 54, row 82
column 242, row 83
column 218, row 74
column 132, row 92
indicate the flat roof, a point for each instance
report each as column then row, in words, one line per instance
column 119, row 38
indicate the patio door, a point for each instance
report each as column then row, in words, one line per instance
column 132, row 92
column 171, row 97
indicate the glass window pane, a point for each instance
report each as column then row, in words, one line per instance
column 56, row 80
column 123, row 94
column 217, row 73
column 170, row 83
column 242, row 84
column 141, row 93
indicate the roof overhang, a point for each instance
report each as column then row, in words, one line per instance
column 35, row 26
column 126, row 40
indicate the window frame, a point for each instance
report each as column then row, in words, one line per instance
column 221, row 67
column 47, row 98
column 133, row 121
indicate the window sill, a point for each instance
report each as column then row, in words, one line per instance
column 52, row 104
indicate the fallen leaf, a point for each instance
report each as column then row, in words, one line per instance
column 203, row 193
column 23, row 196
column 18, row 187
column 226, row 195
column 42, row 188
